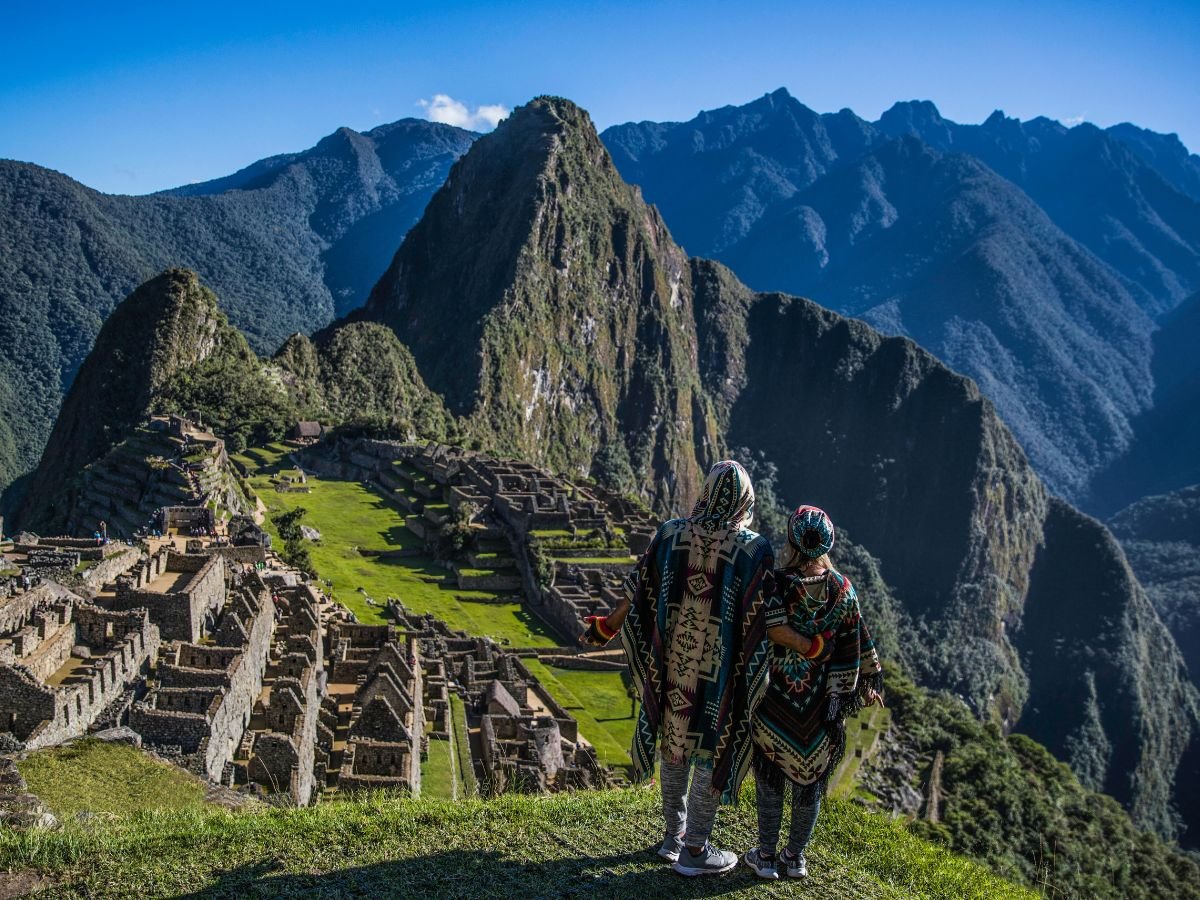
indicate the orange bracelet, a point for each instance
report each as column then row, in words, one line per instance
column 818, row 646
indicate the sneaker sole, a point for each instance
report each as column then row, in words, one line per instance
column 692, row 871
column 763, row 873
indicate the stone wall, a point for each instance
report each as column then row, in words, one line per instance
column 180, row 614
column 209, row 710
column 119, row 647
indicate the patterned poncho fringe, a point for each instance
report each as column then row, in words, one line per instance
column 695, row 635
column 800, row 726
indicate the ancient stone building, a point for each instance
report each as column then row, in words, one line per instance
column 376, row 692
column 521, row 737
column 182, row 591
column 64, row 662
column 279, row 751
column 206, row 692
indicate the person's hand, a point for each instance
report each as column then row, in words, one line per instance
column 598, row 633
column 873, row 697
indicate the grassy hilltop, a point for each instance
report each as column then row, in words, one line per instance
column 589, row 844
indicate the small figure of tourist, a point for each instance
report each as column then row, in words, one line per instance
column 799, row 728
column 695, row 621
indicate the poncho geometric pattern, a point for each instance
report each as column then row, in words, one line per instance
column 696, row 634
column 799, row 728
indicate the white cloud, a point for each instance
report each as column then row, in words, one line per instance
column 1072, row 121
column 445, row 109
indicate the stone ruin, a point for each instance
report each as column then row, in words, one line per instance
column 170, row 464
column 254, row 680
column 64, row 662
column 183, row 591
column 374, row 709
column 520, row 737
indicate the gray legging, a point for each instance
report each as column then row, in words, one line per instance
column 688, row 812
column 770, row 816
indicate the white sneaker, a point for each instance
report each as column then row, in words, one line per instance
column 795, row 864
column 763, row 867
column 709, row 861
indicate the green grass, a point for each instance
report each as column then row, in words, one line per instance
column 598, row 702
column 102, row 778
column 437, row 772
column 596, row 844
column 350, row 515
column 468, row 786
column 596, row 560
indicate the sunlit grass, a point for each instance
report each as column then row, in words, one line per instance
column 97, row 777
column 589, row 843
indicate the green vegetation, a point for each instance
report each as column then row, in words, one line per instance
column 598, row 843
column 107, row 779
column 468, row 785
column 600, row 704
column 287, row 526
column 361, row 375
column 351, row 518
column 437, row 772
column 1013, row 806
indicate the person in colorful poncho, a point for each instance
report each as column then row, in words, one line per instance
column 695, row 621
column 799, row 728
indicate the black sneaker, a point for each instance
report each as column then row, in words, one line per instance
column 764, row 866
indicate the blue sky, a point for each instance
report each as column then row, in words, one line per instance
column 132, row 97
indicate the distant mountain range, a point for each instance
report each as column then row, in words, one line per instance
column 1033, row 257
column 1030, row 256
column 290, row 243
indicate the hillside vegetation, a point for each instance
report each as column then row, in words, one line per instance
column 288, row 243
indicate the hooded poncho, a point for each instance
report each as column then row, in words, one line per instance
column 696, row 633
column 799, row 728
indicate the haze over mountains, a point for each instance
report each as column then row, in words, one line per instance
column 550, row 309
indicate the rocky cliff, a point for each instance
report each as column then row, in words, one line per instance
column 1027, row 255
column 548, row 304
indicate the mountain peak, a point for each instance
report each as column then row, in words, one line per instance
column 533, row 245
column 918, row 118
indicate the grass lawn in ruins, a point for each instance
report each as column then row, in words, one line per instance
column 599, row 702
column 350, row 517
column 101, row 778
column 590, row 843
column 437, row 772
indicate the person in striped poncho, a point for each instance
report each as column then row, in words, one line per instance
column 799, row 728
